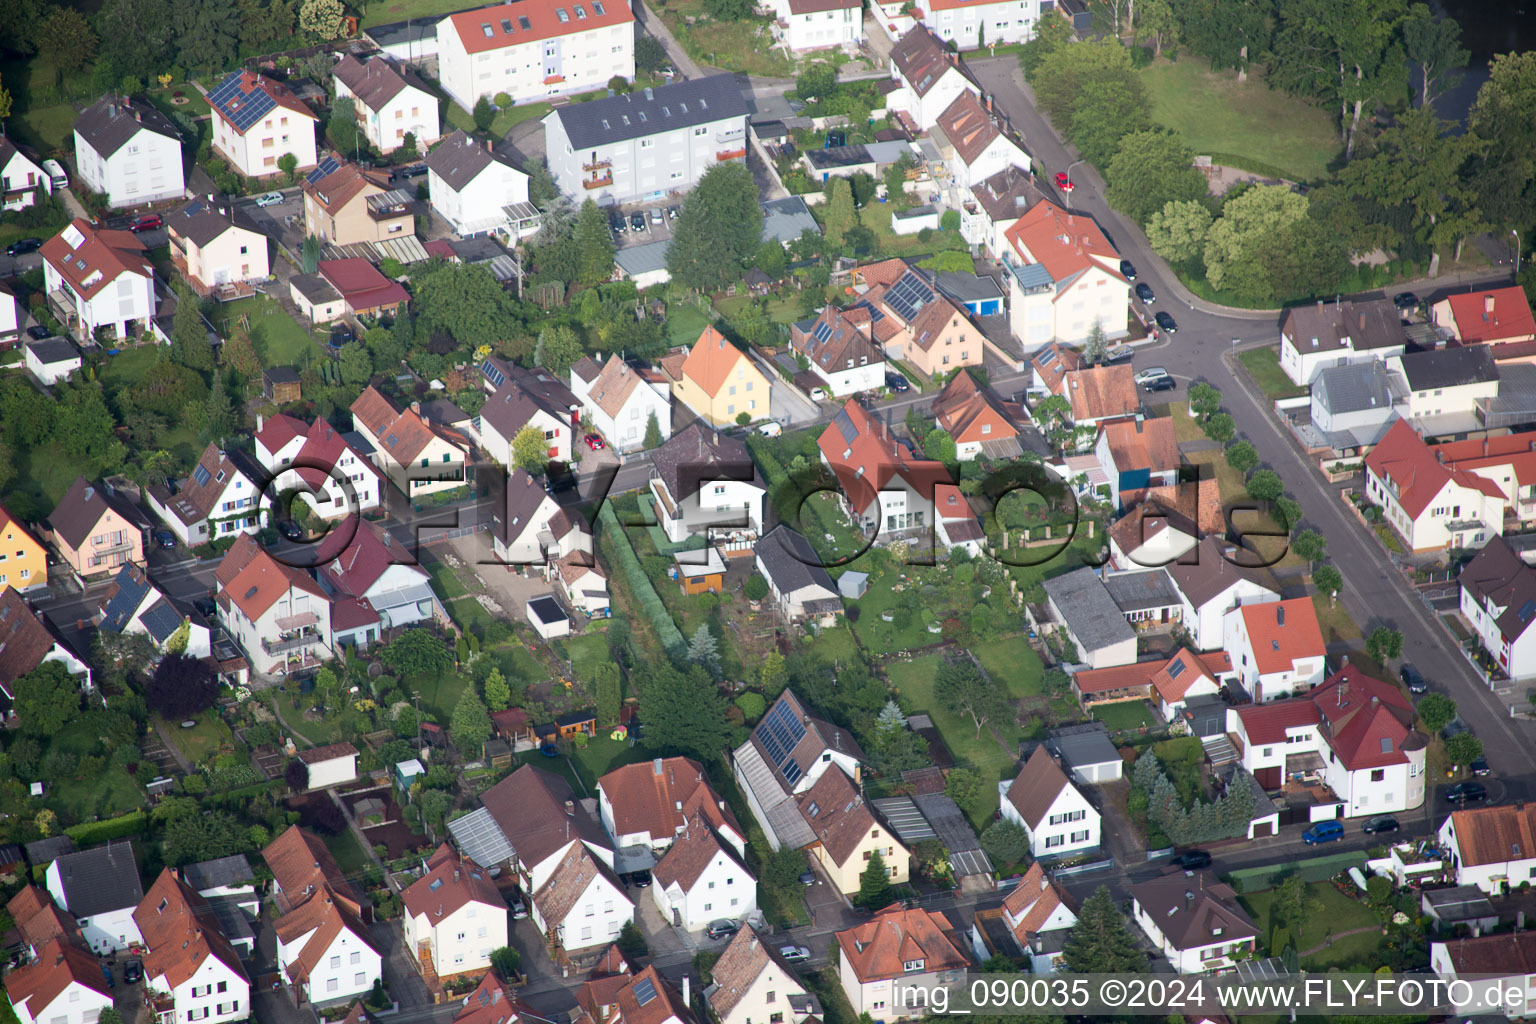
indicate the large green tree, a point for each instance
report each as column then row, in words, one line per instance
column 1229, row 33
column 1100, row 942
column 962, row 688
column 1234, row 244
column 841, row 217
column 1105, row 113
column 137, row 33
column 1066, row 72
column 719, row 228
column 1151, row 169
column 683, row 711
column 470, row 725
column 1177, row 231
column 65, row 41
column 47, row 699
column 558, row 349
column 874, row 884
column 1505, row 177
column 1433, row 47
column 594, row 243
column 189, row 334
column 1051, row 34
column 205, row 32
column 465, row 301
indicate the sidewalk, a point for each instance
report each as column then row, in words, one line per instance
column 658, row 28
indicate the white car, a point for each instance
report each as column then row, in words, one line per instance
column 794, row 954
column 1150, row 374
column 270, row 199
column 818, row 394
column 772, row 428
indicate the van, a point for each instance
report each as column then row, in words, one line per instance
column 1323, row 832
column 772, row 428
column 56, row 174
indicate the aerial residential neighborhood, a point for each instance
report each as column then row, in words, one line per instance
column 702, row 512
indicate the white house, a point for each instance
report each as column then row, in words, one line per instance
column 883, row 483
column 1315, row 337
column 786, row 754
column 419, row 458
column 701, row 878
column 478, row 191
column 324, row 951
column 133, row 604
column 99, row 888
column 648, row 143
column 1082, row 606
column 956, row 523
column 928, row 78
column 128, row 151
column 1448, row 382
column 22, row 180
column 651, row 803
column 705, row 482
column 257, row 121
column 391, row 102
column 315, row 463
column 752, row 982
column 1212, row 579
column 1430, row 501
column 1353, row 733
column 454, row 915
column 10, row 317
column 965, row 25
column 1491, row 847
column 1277, row 647
column 840, row 348
column 1137, row 453
column 973, row 145
column 847, row 836
column 190, row 959
column 582, row 904
column 895, row 949
column 1063, row 278
column 218, row 500
column 798, row 585
column 1497, row 589
column 1497, row 973
column 620, row 402
column 216, row 246
column 99, row 280
column 529, row 398
column 805, row 25
column 582, row 581
column 63, row 985
column 51, row 360
column 1194, row 921
column 375, row 582
column 542, row 49
column 330, row 765
column 531, row 528
column 1039, row 912
column 1058, row 818
column 276, row 612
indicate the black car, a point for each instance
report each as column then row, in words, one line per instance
column 22, row 246
column 1413, row 680
column 1144, row 293
column 133, row 972
column 1380, row 823
column 1128, row 270
column 722, row 929
column 1480, row 767
column 896, row 382
column 640, row 879
column 637, row 222
column 1467, row 792
column 1191, row 860
column 165, row 538
column 205, row 607
column 1405, row 300
column 1160, row 384
column 290, row 529
column 807, row 878
column 1166, row 322
column 37, row 332
column 617, row 223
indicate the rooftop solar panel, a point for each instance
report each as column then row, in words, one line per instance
column 908, row 296
column 200, row 474
column 242, row 108
column 493, row 373
column 822, row 332
column 645, row 991
column 324, row 169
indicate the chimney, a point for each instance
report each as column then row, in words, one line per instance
column 1280, row 614
column 1488, row 305
column 1343, row 692
column 570, row 807
column 685, row 977
column 416, row 408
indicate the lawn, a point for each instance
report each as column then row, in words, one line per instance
column 48, row 129
column 1335, row 621
column 280, row 340
column 1185, row 426
column 112, row 793
column 201, row 743
column 586, row 653
column 319, row 733
column 439, row 694
column 1336, row 913
column 505, row 120
column 1241, row 123
column 1013, row 663
column 44, row 473
column 444, row 580
column 349, row 853
column 602, row 755
column 1263, row 365
column 1132, row 714
column 731, row 45
column 685, row 322
column 836, row 644
column 1255, row 525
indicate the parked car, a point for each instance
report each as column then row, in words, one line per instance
column 657, row 215
column 1323, row 832
column 1467, row 792
column 897, row 383
column 818, row 394
column 594, row 442
column 205, row 607
column 133, row 972
column 290, row 529
column 617, row 224
column 1151, row 373
column 22, row 246
column 106, row 972
column 1405, row 300
column 1192, row 860
column 673, row 211
column 1118, row 354
column 1166, row 323
column 773, row 428
column 807, row 878
column 1063, row 182
column 1160, row 384
column 165, row 538
column 639, row 879
column 637, row 221
column 722, row 928
column 1480, row 767
column 1413, row 680
column 270, row 199
column 519, row 908
column 1128, row 270
column 794, row 954
column 148, row 222
column 1144, row 293
column 37, row 332
column 1380, row 823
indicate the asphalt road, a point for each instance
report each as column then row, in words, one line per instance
column 1202, row 350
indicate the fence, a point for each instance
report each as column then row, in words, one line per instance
column 1314, row 869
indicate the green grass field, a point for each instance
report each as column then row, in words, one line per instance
column 1263, row 365
column 1129, row 715
column 1336, row 914
column 280, row 340
column 602, row 755
column 586, row 653
column 915, row 680
column 505, row 120
column 201, row 743
column 744, row 45
column 350, row 856
column 1216, row 114
column 1013, row 663
column 685, row 323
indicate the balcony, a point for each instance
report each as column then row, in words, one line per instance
column 731, row 154
column 285, row 645
column 596, row 182
column 597, row 165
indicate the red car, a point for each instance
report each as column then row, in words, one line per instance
column 594, row 442
column 148, row 222
column 1063, row 182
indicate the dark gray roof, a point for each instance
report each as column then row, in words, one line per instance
column 397, row 33
column 1194, row 911
column 281, row 374
column 790, row 561
column 131, row 586
column 1358, row 326
column 523, row 498
column 1090, row 613
column 458, row 159
column 161, row 620
column 203, row 221
column 697, row 454
column 1449, row 367
column 477, row 250
column 108, row 124
column 46, row 851
column 82, row 507
column 225, row 871
column 547, row 609
column 784, row 220
column 968, row 287
column 315, row 288
column 634, row 115
column 524, row 393
column 955, row 832
column 643, row 259
column 1079, row 747
column 101, row 879
column 839, row 156
column 1142, row 591
column 1353, row 387
column 1213, row 565
column 1459, row 903
column 53, row 350
column 377, row 80
column 1008, row 194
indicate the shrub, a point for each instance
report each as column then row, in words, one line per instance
column 92, row 833
column 640, row 585
column 752, row 705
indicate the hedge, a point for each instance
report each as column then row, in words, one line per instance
column 1314, row 869
column 1243, row 163
column 92, row 832
column 640, row 585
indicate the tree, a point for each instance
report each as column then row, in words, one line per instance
column 1204, row 400
column 1328, row 580
column 1156, row 19
column 1435, row 711
column 963, row 688
column 718, row 230
column 418, row 652
column 683, row 711
column 498, row 695
column 1384, row 644
column 181, row 687
column 1242, row 456
column 1100, row 943
column 506, row 961
column 1221, row 427
column 289, row 165
column 704, row 651
column 65, row 40
column 1094, row 346
column 484, row 114
column 239, row 354
column 895, row 177
column 1150, row 170
column 189, row 334
column 594, row 242
column 1433, row 46
column 324, row 18
column 939, row 446
column 1006, row 843
column 631, row 941
column 817, row 82
column 1503, row 174
column 756, row 587
column 1177, row 231
column 652, row 433
column 966, row 788
column 470, row 725
column 606, row 684
column 1232, row 247
column 1463, row 748
column 296, row 775
column 1104, row 113
column 1311, row 545
column 205, row 32
column 1294, row 904
column 356, row 365
column 1227, row 32
column 219, row 417
column 342, row 126
column 530, row 451
column 874, row 884
column 47, row 699
column 1265, row 485
column 841, row 217
column 1066, row 71
column 650, row 54
column 466, row 302
column 85, row 428
column 310, row 252
column 558, row 349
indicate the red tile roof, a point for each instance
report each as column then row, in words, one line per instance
column 1403, row 461
column 1066, row 244
column 361, row 284
column 452, row 881
column 964, row 408
column 711, row 361
column 35, row 986
column 1157, row 674
column 1367, row 723
column 1283, row 632
column 491, row 28
column 181, row 931
column 866, row 458
column 301, row 865
column 1504, row 955
column 492, row 1002
column 1139, row 443
column 278, row 430
column 322, row 451
column 356, row 553
column 263, row 581
column 411, row 433
column 1491, row 835
column 658, row 797
column 1486, row 317
column 251, row 83
column 39, row 920
column 1099, row 392
column 100, row 257
column 1053, row 363
column 1031, row 903
column 879, row 948
column 696, row 848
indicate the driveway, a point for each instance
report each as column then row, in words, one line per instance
column 788, row 406
column 505, row 590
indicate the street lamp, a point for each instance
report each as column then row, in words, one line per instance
column 1517, row 254
column 1068, row 192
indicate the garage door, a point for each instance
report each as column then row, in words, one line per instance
column 1263, row 828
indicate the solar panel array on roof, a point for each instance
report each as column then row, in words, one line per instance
column 844, row 426
column 241, row 108
column 200, row 474
column 875, row 316
column 1175, row 670
column 823, row 331
column 908, row 296
column 493, row 373
column 780, row 732
column 645, row 991
column 326, row 167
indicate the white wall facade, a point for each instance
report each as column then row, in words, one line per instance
column 1490, row 878
column 1518, row 658
column 347, row 968
column 1070, row 825
column 410, row 111
column 461, row 941
column 1207, row 624
column 584, row 60
column 971, row 25
column 1304, row 673
column 1453, row 505
column 476, row 208
column 723, row 890
column 145, row 169
column 214, row 994
column 22, row 181
column 255, row 152
column 1214, row 956
column 647, row 167
column 128, row 299
column 594, row 920
column 819, row 30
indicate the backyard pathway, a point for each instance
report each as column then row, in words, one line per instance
column 1341, row 935
column 171, row 748
column 298, row 737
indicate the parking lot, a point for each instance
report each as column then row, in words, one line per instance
column 657, row 219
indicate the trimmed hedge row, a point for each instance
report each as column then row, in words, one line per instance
column 640, row 585
column 92, row 832
column 1313, row 869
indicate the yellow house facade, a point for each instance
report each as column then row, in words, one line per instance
column 848, row 834
column 719, row 381
column 23, row 559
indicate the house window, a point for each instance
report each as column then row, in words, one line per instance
column 1053, row 841
column 332, row 984
column 1378, row 775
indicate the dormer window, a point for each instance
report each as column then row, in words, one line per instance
column 911, row 965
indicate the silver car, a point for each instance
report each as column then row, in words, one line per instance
column 794, row 954
column 1150, row 374
column 270, row 199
